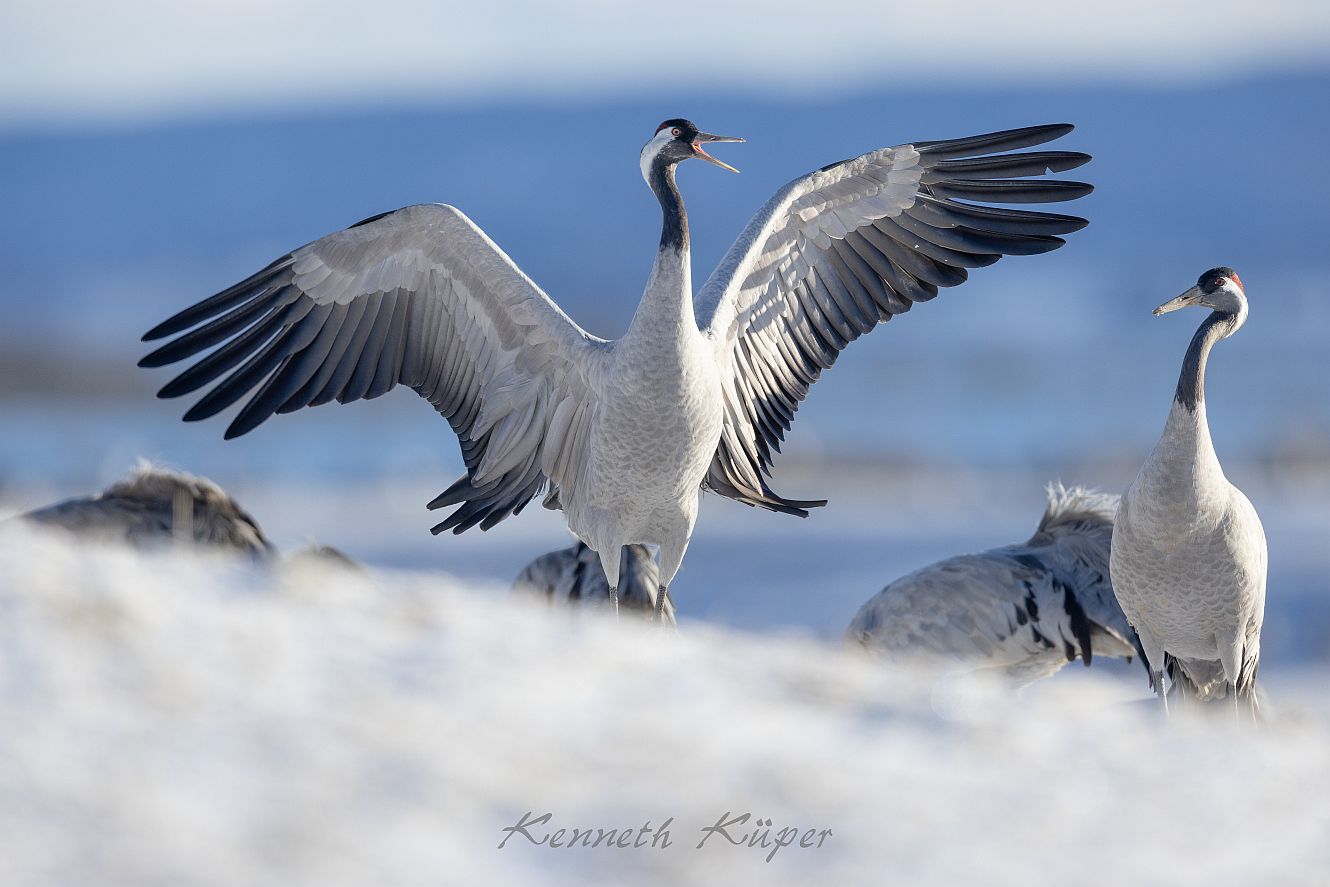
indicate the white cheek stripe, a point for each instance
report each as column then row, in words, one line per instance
column 652, row 148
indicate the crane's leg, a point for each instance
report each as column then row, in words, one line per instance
column 1154, row 660
column 609, row 562
column 1230, row 657
column 671, row 556
column 1254, row 706
column 662, row 595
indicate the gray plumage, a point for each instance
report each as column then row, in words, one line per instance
column 1189, row 554
column 1028, row 609
column 574, row 576
column 698, row 392
column 325, row 556
column 153, row 507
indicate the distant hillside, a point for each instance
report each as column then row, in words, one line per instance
column 103, row 231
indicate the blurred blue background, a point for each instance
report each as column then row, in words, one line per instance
column 150, row 156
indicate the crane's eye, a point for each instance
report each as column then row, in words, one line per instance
column 1219, row 281
column 677, row 132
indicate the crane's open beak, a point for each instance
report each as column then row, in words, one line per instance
column 703, row 155
column 1188, row 298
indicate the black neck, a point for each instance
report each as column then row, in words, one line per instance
column 1191, row 382
column 674, row 233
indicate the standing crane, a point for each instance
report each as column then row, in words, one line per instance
column 1189, row 559
column 699, row 391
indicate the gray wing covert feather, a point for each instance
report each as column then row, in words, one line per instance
column 968, row 608
column 418, row 297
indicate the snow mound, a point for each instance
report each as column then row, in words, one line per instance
column 172, row 719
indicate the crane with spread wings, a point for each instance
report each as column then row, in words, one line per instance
column 622, row 435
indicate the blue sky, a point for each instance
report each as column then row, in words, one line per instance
column 86, row 60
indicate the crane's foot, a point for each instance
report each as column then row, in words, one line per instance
column 614, row 602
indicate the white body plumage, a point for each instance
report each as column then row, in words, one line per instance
column 659, row 407
column 1189, row 562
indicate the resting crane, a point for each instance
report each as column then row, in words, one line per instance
column 153, row 507
column 1026, row 609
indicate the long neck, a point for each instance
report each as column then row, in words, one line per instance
column 1191, row 381
column 1185, row 454
column 674, row 232
column 667, row 304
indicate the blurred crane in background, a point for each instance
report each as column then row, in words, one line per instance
column 574, row 575
column 153, row 507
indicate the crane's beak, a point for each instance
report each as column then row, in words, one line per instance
column 703, row 155
column 1190, row 297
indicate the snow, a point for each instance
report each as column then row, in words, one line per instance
column 178, row 720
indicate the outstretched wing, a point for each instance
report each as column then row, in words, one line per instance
column 836, row 252
column 417, row 297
